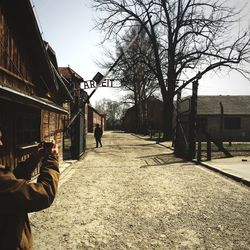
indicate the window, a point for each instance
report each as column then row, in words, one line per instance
column 28, row 126
column 232, row 123
column 202, row 123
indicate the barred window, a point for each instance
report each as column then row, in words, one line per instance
column 28, row 126
column 232, row 123
column 202, row 123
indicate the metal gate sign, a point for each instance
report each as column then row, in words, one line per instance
column 105, row 83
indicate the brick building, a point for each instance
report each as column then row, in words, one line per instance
column 95, row 117
column 152, row 117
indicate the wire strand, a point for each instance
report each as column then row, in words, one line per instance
column 38, row 19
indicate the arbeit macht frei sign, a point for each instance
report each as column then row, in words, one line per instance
column 111, row 83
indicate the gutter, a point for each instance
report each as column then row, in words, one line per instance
column 34, row 101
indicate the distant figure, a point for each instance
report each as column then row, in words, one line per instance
column 98, row 135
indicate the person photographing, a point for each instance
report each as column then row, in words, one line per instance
column 19, row 196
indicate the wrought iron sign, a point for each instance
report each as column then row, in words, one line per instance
column 110, row 83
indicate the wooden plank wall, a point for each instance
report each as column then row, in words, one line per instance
column 52, row 129
column 7, row 122
column 15, row 66
column 9, row 119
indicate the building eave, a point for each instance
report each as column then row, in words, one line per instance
column 12, row 95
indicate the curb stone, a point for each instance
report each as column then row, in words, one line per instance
column 229, row 175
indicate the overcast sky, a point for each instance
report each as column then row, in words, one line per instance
column 68, row 27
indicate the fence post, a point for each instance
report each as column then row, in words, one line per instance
column 199, row 151
column 208, row 150
column 192, row 129
column 177, row 148
column 221, row 123
column 158, row 139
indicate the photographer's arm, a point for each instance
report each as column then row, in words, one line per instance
column 43, row 192
column 20, row 196
column 25, row 168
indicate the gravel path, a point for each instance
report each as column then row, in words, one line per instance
column 133, row 194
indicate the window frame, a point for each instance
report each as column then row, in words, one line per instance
column 232, row 123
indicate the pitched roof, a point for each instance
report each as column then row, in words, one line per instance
column 95, row 110
column 149, row 100
column 153, row 99
column 24, row 25
column 68, row 73
column 232, row 105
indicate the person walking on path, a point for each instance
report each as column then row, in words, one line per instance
column 19, row 197
column 98, row 135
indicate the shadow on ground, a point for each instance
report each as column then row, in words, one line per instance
column 160, row 160
column 123, row 146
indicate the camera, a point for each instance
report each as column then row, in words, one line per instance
column 47, row 145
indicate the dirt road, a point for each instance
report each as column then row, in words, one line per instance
column 133, row 194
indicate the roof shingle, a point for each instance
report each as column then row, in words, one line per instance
column 232, row 105
column 68, row 73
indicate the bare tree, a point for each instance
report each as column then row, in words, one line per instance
column 189, row 38
column 136, row 76
column 134, row 72
column 114, row 110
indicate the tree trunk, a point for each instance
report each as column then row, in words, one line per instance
column 137, row 118
column 167, row 95
column 164, row 92
column 169, row 110
column 170, row 103
column 145, row 116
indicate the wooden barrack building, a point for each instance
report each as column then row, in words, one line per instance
column 31, row 91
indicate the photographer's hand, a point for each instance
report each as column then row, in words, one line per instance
column 49, row 149
column 54, row 150
column 42, row 153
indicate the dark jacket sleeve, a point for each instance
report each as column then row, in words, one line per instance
column 25, row 168
column 19, row 195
